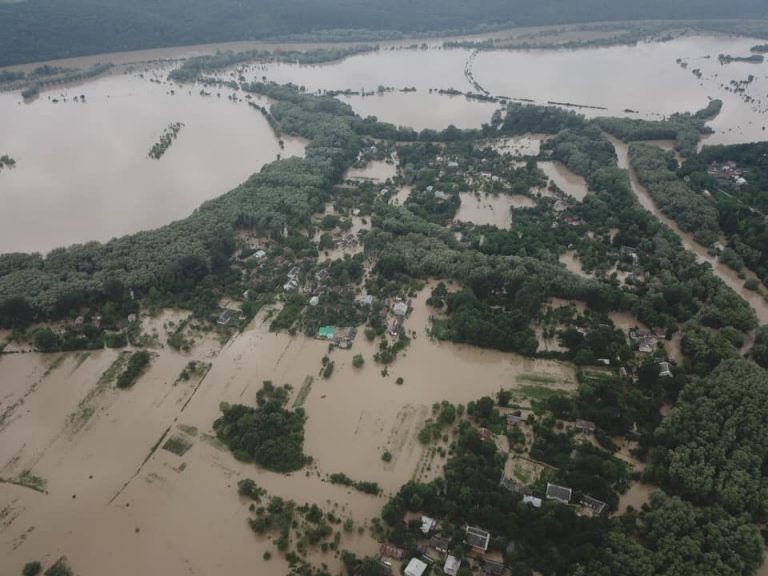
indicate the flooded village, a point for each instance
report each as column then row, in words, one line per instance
column 460, row 330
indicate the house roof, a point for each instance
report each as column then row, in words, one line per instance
column 593, row 503
column 415, row 567
column 514, row 419
column 533, row 501
column 326, row 332
column 427, row 524
column 477, row 538
column 452, row 565
column 561, row 493
column 400, row 308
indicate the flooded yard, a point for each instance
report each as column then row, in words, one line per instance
column 105, row 484
column 487, row 209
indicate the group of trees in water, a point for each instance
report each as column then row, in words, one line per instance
column 166, row 139
column 6, row 162
column 196, row 67
column 269, row 434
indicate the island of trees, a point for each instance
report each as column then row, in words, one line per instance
column 166, row 139
column 6, row 162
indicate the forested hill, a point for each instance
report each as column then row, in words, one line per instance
column 34, row 30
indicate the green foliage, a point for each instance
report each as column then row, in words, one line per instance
column 713, row 446
column 759, row 352
column 362, row 486
column 46, row 340
column 686, row 129
column 194, row 68
column 59, row 568
column 268, row 435
column 656, row 170
column 186, row 263
column 136, row 365
column 31, row 569
column 248, row 488
column 166, row 139
column 358, row 361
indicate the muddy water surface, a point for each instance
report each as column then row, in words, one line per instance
column 113, row 505
column 572, row 184
column 491, row 210
column 82, row 169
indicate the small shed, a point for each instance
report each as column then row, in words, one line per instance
column 559, row 493
column 415, row 567
column 314, row 301
column 664, row 370
column 452, row 565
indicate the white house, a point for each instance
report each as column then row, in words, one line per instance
column 415, row 567
column 451, row 566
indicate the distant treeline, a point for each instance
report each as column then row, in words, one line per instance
column 38, row 30
column 194, row 68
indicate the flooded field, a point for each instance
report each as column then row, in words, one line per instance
column 82, row 168
column 486, row 209
column 83, row 171
column 92, row 445
column 572, row 184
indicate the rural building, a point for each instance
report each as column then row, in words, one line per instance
column 485, row 435
column 314, row 301
column 514, row 420
column 664, row 369
column 326, row 332
column 593, row 504
column 389, row 551
column 533, row 501
column 559, row 493
column 226, row 317
column 452, row 565
column 477, row 538
column 586, row 426
column 427, row 525
column 415, row 567
column 439, row 544
column 400, row 309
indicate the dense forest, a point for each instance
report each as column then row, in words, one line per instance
column 35, row 30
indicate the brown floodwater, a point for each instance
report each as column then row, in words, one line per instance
column 83, row 172
column 489, row 209
column 137, row 511
column 570, row 183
